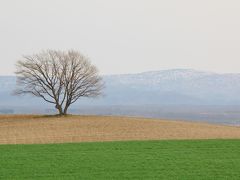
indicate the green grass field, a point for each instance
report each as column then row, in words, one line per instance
column 205, row 159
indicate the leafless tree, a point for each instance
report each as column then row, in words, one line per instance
column 58, row 77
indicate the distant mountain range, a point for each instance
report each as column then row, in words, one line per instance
column 177, row 86
column 166, row 87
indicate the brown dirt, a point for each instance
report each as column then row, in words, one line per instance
column 40, row 129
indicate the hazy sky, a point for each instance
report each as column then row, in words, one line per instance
column 125, row 36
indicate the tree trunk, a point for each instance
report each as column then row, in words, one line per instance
column 65, row 110
column 60, row 110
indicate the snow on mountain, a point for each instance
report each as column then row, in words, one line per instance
column 168, row 86
column 156, row 77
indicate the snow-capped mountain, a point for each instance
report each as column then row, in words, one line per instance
column 166, row 87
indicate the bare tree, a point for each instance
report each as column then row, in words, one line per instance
column 58, row 77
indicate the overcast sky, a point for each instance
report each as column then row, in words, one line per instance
column 125, row 36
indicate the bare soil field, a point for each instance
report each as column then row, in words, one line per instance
column 20, row 129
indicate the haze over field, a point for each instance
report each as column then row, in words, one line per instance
column 173, row 94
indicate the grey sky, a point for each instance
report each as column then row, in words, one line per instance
column 125, row 36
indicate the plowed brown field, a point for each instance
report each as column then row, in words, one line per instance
column 42, row 129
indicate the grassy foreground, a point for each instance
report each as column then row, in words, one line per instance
column 191, row 159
